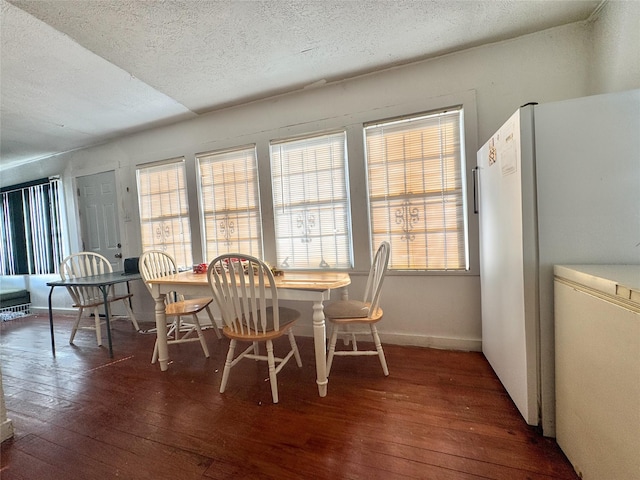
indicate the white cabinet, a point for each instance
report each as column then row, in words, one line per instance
column 597, row 342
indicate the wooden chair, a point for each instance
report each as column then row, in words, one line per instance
column 344, row 314
column 87, row 264
column 245, row 290
column 155, row 263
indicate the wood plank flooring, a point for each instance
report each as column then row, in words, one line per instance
column 82, row 415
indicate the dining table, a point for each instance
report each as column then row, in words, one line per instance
column 104, row 283
column 314, row 287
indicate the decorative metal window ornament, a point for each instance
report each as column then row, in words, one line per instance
column 163, row 232
column 227, row 228
column 306, row 222
column 407, row 216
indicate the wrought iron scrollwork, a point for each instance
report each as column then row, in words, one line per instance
column 227, row 228
column 407, row 216
column 306, row 222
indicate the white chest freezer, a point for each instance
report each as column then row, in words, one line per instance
column 597, row 360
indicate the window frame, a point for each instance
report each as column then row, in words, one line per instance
column 185, row 258
column 43, row 228
column 259, row 238
column 347, row 235
column 461, row 206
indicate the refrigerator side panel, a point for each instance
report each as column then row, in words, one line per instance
column 504, row 336
column 588, row 180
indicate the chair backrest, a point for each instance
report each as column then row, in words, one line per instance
column 84, row 264
column 244, row 287
column 154, row 264
column 376, row 277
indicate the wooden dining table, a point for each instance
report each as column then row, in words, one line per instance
column 312, row 287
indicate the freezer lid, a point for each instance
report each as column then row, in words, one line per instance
column 620, row 281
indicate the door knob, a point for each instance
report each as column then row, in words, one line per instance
column 118, row 255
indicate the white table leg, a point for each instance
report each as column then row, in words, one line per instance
column 320, row 343
column 345, row 293
column 161, row 332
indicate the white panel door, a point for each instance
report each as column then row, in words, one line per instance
column 99, row 223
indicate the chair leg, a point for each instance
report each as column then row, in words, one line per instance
column 227, row 365
column 272, row 371
column 154, row 357
column 376, row 340
column 203, row 342
column 130, row 314
column 75, row 326
column 332, row 347
column 354, row 342
column 177, row 325
column 294, row 347
column 213, row 322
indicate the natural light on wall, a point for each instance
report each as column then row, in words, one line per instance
column 164, row 210
column 229, row 200
column 416, row 194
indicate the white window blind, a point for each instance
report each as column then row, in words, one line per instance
column 416, row 194
column 230, row 206
column 310, row 202
column 164, row 210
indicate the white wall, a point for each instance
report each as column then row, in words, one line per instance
column 615, row 50
column 492, row 81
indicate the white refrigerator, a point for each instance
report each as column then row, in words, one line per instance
column 558, row 183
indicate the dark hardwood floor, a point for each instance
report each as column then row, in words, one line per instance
column 83, row 415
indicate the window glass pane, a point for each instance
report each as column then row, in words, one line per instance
column 230, row 203
column 416, row 191
column 31, row 231
column 164, row 210
column 311, row 204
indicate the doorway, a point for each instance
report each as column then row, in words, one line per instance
column 98, row 213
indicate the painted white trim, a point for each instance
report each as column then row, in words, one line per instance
column 6, row 430
column 416, row 340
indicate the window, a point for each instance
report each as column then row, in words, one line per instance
column 32, row 228
column 310, row 202
column 230, row 202
column 164, row 210
column 416, row 194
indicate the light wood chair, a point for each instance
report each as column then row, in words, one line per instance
column 87, row 264
column 156, row 263
column 245, row 290
column 346, row 315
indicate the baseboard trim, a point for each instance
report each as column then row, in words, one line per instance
column 304, row 330
column 416, row 340
column 6, row 430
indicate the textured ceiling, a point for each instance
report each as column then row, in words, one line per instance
column 76, row 73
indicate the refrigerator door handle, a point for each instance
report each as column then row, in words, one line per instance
column 475, row 189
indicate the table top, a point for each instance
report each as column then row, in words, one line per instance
column 110, row 278
column 318, row 281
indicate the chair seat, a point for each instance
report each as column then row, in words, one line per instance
column 288, row 317
column 88, row 264
column 351, row 311
column 251, row 313
column 188, row 307
column 345, row 313
column 154, row 264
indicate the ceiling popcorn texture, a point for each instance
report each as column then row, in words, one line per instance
column 77, row 73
